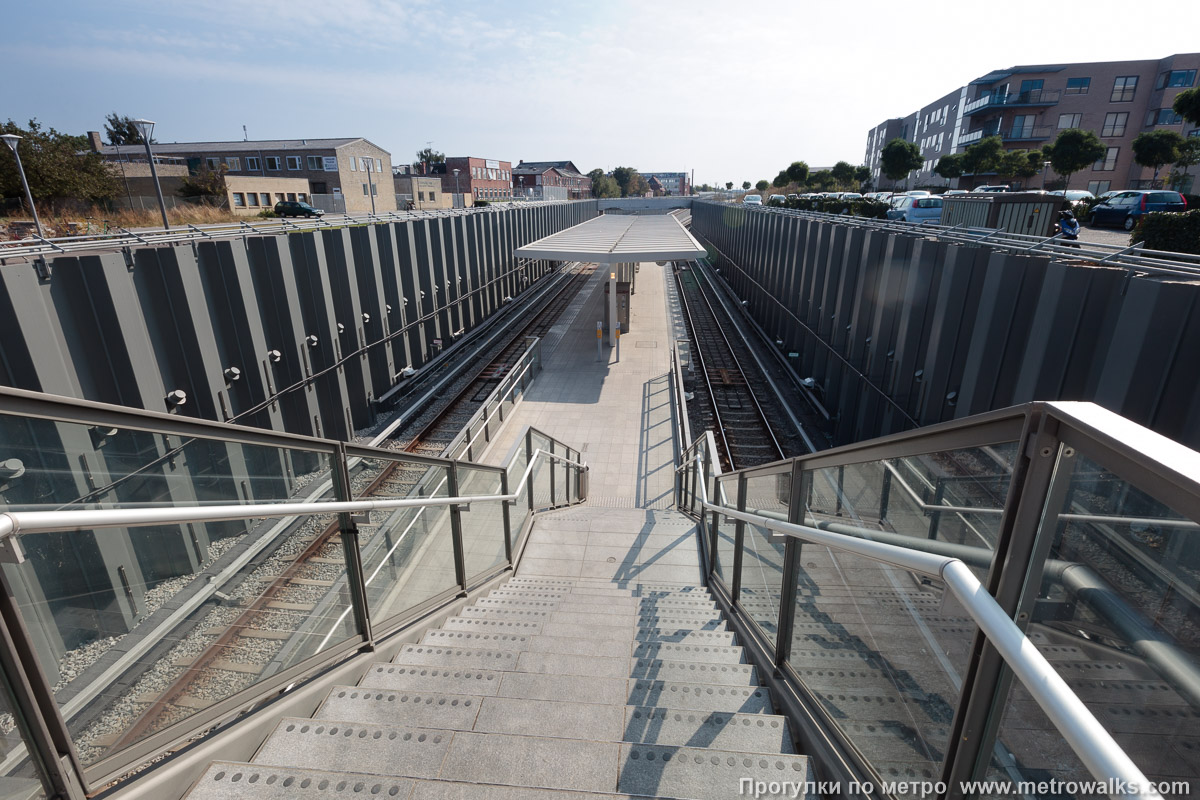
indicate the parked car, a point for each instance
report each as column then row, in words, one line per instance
column 1075, row 195
column 916, row 208
column 1124, row 208
column 956, row 191
column 293, row 208
column 776, row 198
column 851, row 196
column 918, row 193
column 793, row 197
column 752, row 200
column 998, row 188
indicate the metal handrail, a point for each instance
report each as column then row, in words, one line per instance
column 25, row 522
column 231, row 230
column 1140, row 259
column 1096, row 748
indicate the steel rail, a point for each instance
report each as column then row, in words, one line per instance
column 1087, row 737
column 687, row 308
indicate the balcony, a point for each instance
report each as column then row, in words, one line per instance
column 997, row 100
column 990, row 129
column 1027, row 133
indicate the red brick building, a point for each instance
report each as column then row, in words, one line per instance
column 481, row 178
column 559, row 180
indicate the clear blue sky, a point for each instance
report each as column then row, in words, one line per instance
column 733, row 90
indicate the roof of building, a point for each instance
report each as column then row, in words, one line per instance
column 566, row 168
column 1001, row 74
column 618, row 239
column 166, row 148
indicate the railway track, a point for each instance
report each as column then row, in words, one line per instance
column 298, row 590
column 750, row 425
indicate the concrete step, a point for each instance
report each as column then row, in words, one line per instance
column 483, row 625
column 704, row 774
column 407, row 678
column 713, row 654
column 685, row 636
column 699, row 696
column 725, row 674
column 336, row 745
column 441, row 710
column 597, row 605
column 588, row 619
column 753, row 733
column 458, row 657
column 601, row 648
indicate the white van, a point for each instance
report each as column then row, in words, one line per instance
column 752, row 200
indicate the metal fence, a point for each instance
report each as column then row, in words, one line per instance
column 957, row 602
column 202, row 568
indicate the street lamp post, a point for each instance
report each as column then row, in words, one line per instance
column 11, row 140
column 146, row 129
column 456, row 191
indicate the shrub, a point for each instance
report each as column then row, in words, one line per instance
column 1159, row 230
column 860, row 208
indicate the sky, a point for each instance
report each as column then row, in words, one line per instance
column 732, row 90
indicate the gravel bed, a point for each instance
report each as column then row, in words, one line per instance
column 277, row 619
column 214, row 685
column 302, row 593
column 250, row 650
column 321, row 572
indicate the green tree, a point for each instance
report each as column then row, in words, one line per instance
column 1018, row 164
column 797, row 172
column 862, row 174
column 781, row 180
column 603, row 185
column 822, row 180
column 57, row 165
column 1189, row 156
column 1187, row 105
column 983, row 156
column 428, row 155
column 898, row 158
column 729, row 185
column 1073, row 150
column 843, row 173
column 745, row 184
column 1156, row 149
column 950, row 166
column 631, row 182
column 206, row 183
column 761, row 185
column 121, row 130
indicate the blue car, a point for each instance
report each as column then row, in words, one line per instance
column 1124, row 208
column 916, row 208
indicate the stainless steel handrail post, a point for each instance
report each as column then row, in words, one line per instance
column 351, row 550
column 460, row 562
column 508, row 549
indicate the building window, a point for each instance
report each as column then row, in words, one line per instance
column 291, row 196
column 378, row 165
column 303, row 197
column 316, row 163
column 293, row 162
column 1195, row 132
column 1069, row 121
column 279, row 197
column 1078, row 85
column 265, row 198
column 320, row 187
column 1109, row 162
column 1098, row 187
column 252, row 199
column 239, row 199
column 1022, row 127
column 364, row 190
column 273, row 163
column 1124, row 89
column 1176, row 78
column 234, row 164
column 1114, row 123
column 213, row 164
column 433, row 197
column 1163, row 116
column 354, row 165
column 252, row 163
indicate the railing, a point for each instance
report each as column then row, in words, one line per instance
column 899, row 585
column 161, row 574
column 1134, row 258
column 1027, row 133
column 38, row 247
column 1034, row 97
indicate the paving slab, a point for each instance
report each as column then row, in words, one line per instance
column 533, row 761
column 555, row 718
column 356, row 747
column 423, row 709
column 752, row 733
column 228, row 780
column 703, row 774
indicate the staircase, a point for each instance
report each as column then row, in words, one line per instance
column 547, row 685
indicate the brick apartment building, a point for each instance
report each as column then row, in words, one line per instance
column 1027, row 106
column 331, row 166
column 551, row 179
column 673, row 183
column 481, row 178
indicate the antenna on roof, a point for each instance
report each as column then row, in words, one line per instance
column 245, row 136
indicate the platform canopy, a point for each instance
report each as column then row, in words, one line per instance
column 618, row 239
